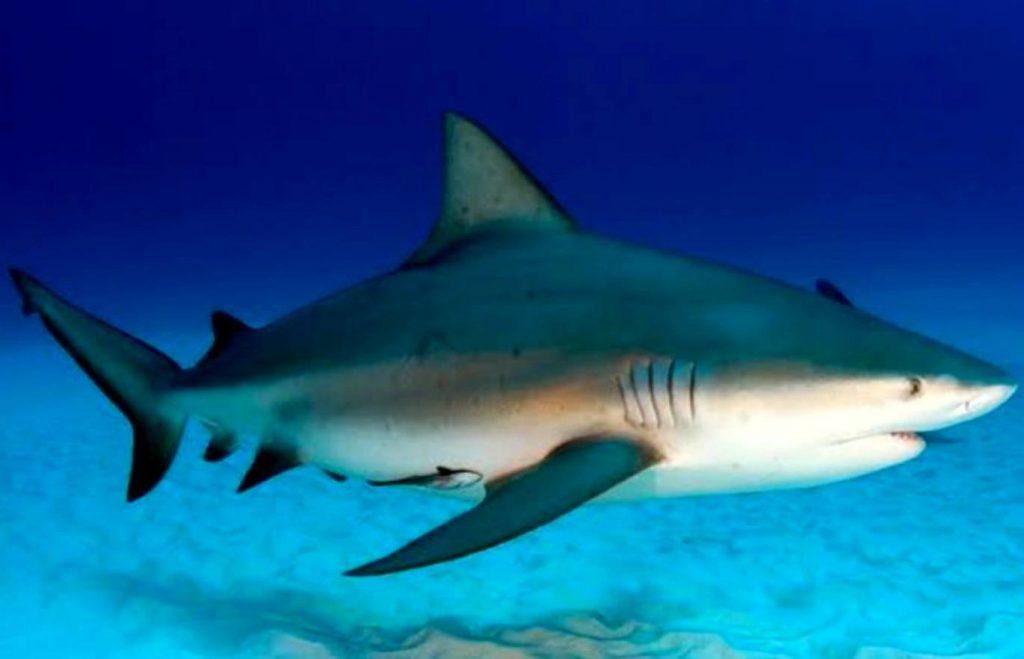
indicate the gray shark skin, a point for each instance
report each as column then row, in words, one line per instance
column 524, row 363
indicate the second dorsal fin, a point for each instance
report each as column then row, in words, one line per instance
column 484, row 185
column 225, row 329
column 827, row 289
column 225, row 326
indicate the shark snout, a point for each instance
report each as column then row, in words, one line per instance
column 982, row 387
column 987, row 397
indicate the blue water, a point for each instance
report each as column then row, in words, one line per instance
column 159, row 162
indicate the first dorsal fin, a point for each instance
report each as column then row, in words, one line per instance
column 225, row 328
column 484, row 185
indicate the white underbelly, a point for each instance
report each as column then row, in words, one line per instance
column 376, row 454
column 704, row 472
column 390, row 451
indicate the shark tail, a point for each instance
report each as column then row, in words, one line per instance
column 132, row 374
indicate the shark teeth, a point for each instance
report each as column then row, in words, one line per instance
column 905, row 435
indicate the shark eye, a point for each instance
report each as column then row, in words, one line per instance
column 916, row 385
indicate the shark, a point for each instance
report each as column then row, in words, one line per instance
column 530, row 367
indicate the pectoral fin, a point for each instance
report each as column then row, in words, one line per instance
column 569, row 476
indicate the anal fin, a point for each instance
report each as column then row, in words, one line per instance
column 270, row 461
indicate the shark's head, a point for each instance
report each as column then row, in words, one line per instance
column 831, row 374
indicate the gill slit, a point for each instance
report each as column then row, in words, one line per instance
column 693, row 389
column 622, row 394
column 671, row 386
column 650, row 387
column 636, row 396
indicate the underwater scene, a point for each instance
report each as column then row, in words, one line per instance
column 512, row 330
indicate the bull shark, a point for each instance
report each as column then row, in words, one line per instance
column 531, row 366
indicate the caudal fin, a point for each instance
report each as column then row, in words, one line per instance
column 132, row 374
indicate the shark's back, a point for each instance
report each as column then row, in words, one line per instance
column 509, row 292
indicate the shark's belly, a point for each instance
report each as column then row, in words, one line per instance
column 491, row 414
column 684, row 475
column 706, row 471
column 395, row 451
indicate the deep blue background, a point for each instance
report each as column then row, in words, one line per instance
column 158, row 161
column 162, row 158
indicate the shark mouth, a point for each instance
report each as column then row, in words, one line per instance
column 901, row 435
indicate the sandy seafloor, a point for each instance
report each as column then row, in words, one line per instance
column 926, row 559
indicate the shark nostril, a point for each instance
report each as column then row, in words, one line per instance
column 987, row 399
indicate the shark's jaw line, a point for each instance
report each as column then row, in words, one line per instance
column 908, row 435
column 976, row 404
